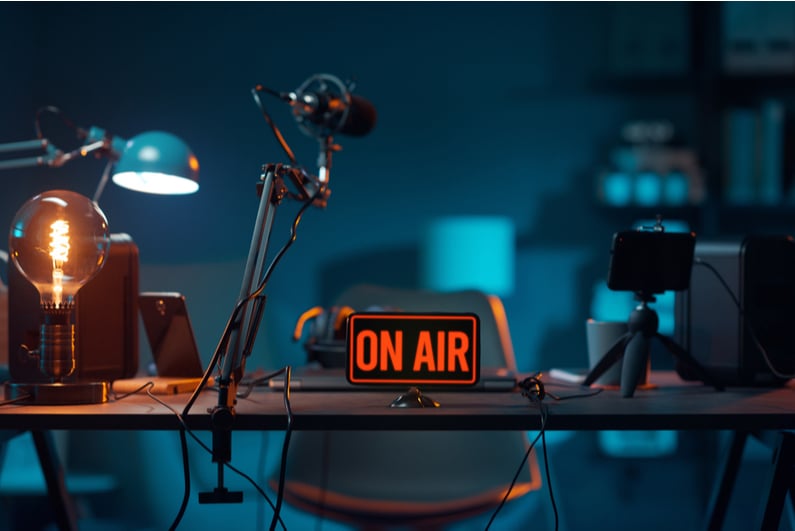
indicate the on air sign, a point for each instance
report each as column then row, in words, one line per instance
column 413, row 349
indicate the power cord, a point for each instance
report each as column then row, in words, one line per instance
column 15, row 400
column 278, row 134
column 255, row 382
column 533, row 389
column 544, row 412
column 285, row 446
column 746, row 320
column 185, row 430
column 58, row 112
column 262, row 454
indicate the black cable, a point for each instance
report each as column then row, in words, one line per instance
column 55, row 110
column 544, row 414
column 183, row 443
column 293, row 235
column 549, row 479
column 746, row 320
column 147, row 385
column 534, row 389
column 285, row 447
column 16, row 400
column 534, row 385
column 588, row 392
column 185, row 430
column 250, row 385
column 279, row 138
column 236, row 470
column 262, row 454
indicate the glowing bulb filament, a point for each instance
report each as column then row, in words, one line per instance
column 59, row 251
column 59, row 241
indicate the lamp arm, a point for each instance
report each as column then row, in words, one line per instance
column 49, row 158
column 25, row 145
column 102, row 182
column 101, row 146
column 52, row 156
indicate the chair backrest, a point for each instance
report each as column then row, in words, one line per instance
column 385, row 479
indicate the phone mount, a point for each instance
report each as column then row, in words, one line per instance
column 645, row 262
column 634, row 348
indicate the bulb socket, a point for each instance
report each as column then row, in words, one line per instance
column 57, row 350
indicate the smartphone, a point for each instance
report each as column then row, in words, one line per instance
column 170, row 334
column 651, row 261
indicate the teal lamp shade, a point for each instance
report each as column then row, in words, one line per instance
column 469, row 252
column 157, row 163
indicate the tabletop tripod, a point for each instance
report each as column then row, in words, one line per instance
column 634, row 347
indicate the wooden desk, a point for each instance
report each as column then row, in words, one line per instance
column 671, row 405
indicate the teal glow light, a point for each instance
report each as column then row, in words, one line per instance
column 469, row 252
column 617, row 189
column 648, row 189
column 676, row 189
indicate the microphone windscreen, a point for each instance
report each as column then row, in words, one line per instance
column 361, row 117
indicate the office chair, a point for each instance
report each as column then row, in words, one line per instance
column 417, row 480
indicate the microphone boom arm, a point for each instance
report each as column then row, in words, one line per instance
column 272, row 189
column 237, row 342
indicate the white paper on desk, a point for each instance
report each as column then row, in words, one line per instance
column 576, row 376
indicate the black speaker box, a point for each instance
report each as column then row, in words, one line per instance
column 106, row 320
column 722, row 337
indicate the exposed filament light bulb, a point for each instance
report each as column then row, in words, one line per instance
column 59, row 240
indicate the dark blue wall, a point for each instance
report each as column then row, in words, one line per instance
column 483, row 108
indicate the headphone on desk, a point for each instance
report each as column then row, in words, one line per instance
column 533, row 388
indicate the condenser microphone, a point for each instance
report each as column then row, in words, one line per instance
column 325, row 104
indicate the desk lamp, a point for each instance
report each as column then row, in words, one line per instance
column 154, row 162
column 59, row 240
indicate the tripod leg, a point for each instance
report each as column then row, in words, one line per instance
column 636, row 357
column 611, row 356
column 688, row 360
